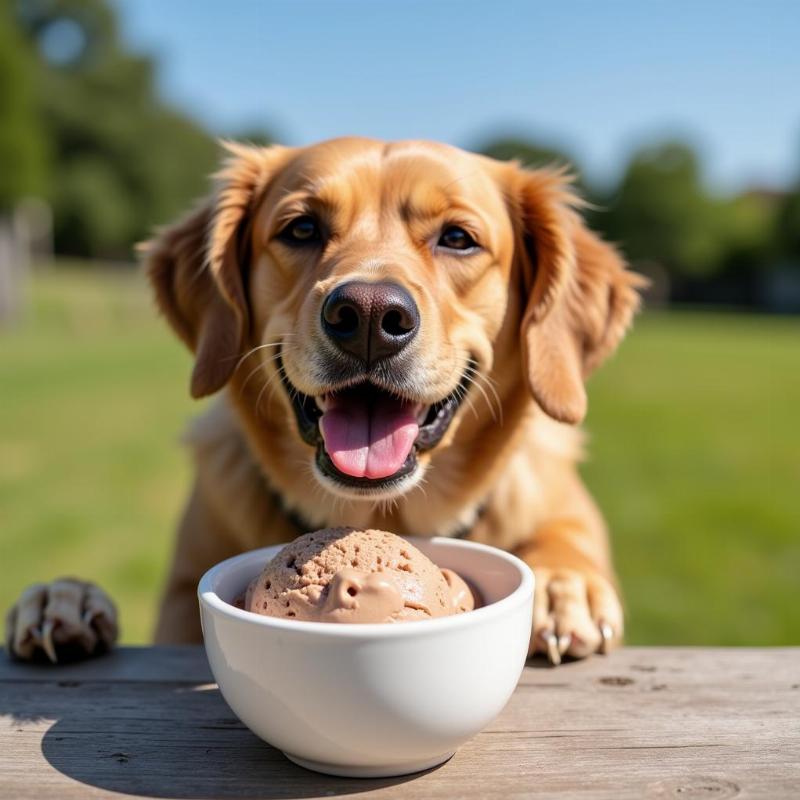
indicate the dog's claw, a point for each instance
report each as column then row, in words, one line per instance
column 65, row 619
column 553, row 653
column 575, row 614
column 44, row 638
column 607, row 634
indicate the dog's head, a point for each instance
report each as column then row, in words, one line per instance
column 365, row 295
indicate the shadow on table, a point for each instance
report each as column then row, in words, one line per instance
column 163, row 739
column 156, row 740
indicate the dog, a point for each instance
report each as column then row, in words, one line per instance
column 398, row 335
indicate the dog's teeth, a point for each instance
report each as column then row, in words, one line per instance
column 322, row 402
column 422, row 413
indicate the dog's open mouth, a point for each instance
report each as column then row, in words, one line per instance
column 368, row 437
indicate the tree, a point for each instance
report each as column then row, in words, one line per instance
column 746, row 226
column 23, row 151
column 122, row 160
column 662, row 213
column 788, row 227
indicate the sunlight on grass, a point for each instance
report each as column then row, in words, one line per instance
column 694, row 459
column 91, row 475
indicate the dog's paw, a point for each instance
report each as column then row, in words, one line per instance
column 575, row 613
column 63, row 620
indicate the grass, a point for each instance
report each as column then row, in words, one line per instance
column 695, row 459
column 91, row 475
column 696, row 464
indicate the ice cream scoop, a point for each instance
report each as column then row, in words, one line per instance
column 362, row 576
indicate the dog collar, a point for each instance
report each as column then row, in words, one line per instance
column 302, row 525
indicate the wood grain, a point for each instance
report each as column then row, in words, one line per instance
column 641, row 723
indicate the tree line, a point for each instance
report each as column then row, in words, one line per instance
column 696, row 246
column 83, row 127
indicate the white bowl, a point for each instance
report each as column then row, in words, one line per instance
column 371, row 700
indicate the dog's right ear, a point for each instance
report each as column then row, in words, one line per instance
column 198, row 266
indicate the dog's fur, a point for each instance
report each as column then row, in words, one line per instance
column 542, row 304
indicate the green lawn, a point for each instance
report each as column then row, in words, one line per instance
column 695, row 459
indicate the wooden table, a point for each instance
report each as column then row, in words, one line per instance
column 641, row 723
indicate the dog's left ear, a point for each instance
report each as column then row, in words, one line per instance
column 580, row 298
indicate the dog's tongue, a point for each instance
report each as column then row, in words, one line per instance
column 368, row 438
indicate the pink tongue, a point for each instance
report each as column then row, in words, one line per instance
column 368, row 442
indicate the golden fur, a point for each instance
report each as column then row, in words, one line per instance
column 541, row 305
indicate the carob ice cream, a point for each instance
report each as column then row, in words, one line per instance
column 349, row 575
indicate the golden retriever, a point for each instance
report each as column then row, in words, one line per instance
column 399, row 334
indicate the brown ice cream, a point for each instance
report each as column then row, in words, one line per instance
column 348, row 575
column 462, row 597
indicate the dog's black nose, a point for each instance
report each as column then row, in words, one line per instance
column 370, row 321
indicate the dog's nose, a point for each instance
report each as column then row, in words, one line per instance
column 370, row 321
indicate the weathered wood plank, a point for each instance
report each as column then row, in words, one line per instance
column 181, row 663
column 652, row 723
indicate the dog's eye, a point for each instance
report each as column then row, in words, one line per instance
column 455, row 238
column 301, row 230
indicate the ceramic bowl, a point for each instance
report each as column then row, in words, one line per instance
column 371, row 700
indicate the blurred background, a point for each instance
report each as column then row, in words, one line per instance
column 682, row 123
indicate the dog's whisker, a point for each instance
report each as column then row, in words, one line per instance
column 462, row 395
column 468, row 400
column 489, row 383
column 258, row 367
column 490, row 405
column 272, row 382
column 255, row 350
column 421, row 486
column 472, row 377
column 386, row 505
column 273, row 386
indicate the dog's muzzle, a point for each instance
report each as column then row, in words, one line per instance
column 368, row 437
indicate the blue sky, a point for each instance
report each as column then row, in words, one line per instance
column 594, row 77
